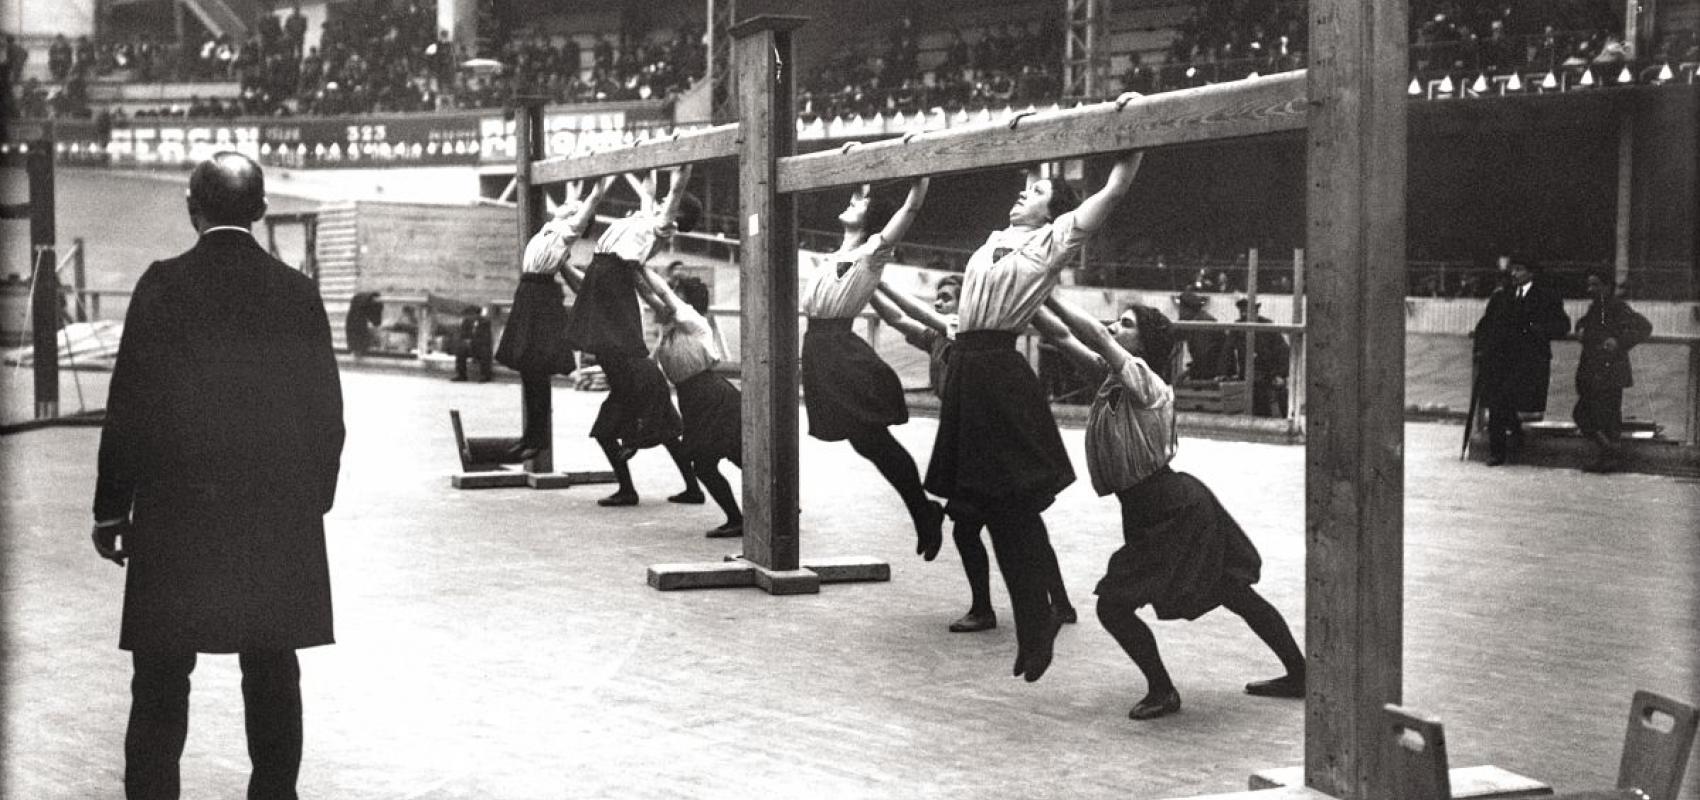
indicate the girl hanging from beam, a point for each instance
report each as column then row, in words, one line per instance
column 998, row 457
column 848, row 391
column 933, row 330
column 688, row 352
column 638, row 412
column 1183, row 553
column 534, row 341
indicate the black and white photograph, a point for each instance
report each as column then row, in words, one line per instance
column 560, row 399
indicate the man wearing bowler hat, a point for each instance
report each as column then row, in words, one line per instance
column 1269, row 386
column 1513, row 355
column 1204, row 348
column 218, row 461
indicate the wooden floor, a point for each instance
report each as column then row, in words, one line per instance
column 503, row 644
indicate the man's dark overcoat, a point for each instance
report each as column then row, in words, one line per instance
column 1513, row 346
column 223, row 436
column 1611, row 318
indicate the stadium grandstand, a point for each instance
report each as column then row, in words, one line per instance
column 1532, row 131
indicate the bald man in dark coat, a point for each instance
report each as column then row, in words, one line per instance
column 218, row 460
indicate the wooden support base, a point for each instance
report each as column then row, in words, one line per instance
column 734, row 571
column 562, row 480
column 514, row 478
column 1486, row 781
column 1282, row 793
column 497, row 479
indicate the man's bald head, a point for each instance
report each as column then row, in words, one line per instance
column 227, row 189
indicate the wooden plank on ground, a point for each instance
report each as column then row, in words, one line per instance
column 1252, row 107
column 1474, row 783
column 1354, row 471
column 720, row 141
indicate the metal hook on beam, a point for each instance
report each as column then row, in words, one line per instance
column 1019, row 115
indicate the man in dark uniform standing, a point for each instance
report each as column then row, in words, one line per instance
column 1609, row 329
column 1272, row 354
column 218, row 461
column 1513, row 354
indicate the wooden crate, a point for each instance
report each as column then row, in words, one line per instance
column 1216, row 397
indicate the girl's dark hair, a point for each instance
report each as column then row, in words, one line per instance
column 693, row 291
column 1156, row 339
column 1063, row 198
column 880, row 210
column 688, row 214
column 952, row 279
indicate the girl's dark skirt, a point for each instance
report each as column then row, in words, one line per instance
column 605, row 318
column 847, row 388
column 998, row 450
column 712, row 410
column 535, row 338
column 639, row 409
column 1182, row 550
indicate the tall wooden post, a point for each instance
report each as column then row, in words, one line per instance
column 44, row 261
column 768, row 221
column 528, row 147
column 1354, row 471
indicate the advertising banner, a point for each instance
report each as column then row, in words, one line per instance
column 415, row 140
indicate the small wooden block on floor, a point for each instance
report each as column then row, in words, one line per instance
column 848, row 569
column 500, row 479
column 562, row 480
column 1483, row 781
column 702, row 575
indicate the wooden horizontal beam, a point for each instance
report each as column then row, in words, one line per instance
column 720, row 141
column 1252, row 107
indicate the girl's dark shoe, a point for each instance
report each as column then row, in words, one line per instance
column 730, row 530
column 1288, row 685
column 619, row 499
column 975, row 621
column 1156, row 704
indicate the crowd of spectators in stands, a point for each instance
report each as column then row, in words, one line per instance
column 632, row 68
column 387, row 56
column 1011, row 63
column 1230, row 39
column 373, row 56
column 1222, row 40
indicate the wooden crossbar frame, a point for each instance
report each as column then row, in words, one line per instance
column 1351, row 105
column 1255, row 107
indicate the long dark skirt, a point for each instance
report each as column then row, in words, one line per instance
column 639, row 409
column 535, row 338
column 997, row 450
column 711, row 408
column 847, row 388
column 1182, row 550
column 605, row 318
